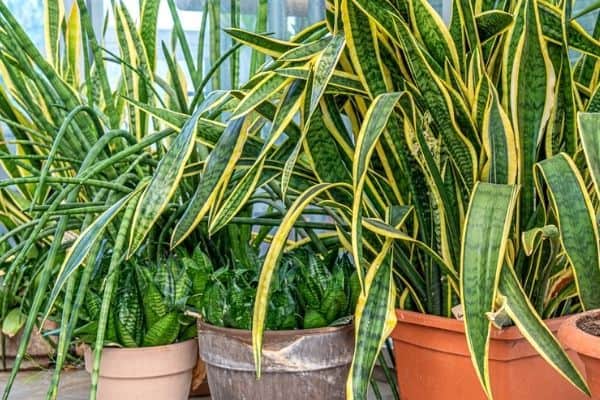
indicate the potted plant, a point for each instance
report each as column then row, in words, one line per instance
column 309, row 339
column 437, row 131
column 82, row 145
column 150, row 346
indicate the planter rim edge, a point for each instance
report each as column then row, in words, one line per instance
column 202, row 325
column 577, row 339
column 456, row 325
column 144, row 349
column 179, row 357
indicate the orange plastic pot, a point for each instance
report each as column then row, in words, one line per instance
column 433, row 362
column 587, row 346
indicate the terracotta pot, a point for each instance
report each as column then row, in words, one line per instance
column 587, row 346
column 296, row 365
column 433, row 362
column 145, row 373
column 38, row 349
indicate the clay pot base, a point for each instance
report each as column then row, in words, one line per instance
column 433, row 362
column 146, row 373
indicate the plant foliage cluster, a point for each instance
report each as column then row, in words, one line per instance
column 456, row 163
column 307, row 292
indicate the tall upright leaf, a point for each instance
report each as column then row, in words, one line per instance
column 163, row 184
column 577, row 224
column 484, row 243
column 53, row 18
column 531, row 95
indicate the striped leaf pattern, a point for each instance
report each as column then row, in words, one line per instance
column 410, row 135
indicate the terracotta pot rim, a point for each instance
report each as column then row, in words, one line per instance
column 145, row 362
column 577, row 339
column 455, row 325
column 144, row 349
column 274, row 334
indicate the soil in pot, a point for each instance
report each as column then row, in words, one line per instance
column 590, row 324
column 296, row 364
column 582, row 334
column 433, row 362
column 146, row 373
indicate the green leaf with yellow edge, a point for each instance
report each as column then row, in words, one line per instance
column 323, row 70
column 430, row 28
column 531, row 98
column 576, row 223
column 305, row 51
column 520, row 310
column 589, row 133
column 375, row 318
column 492, row 23
column 163, row 184
column 578, row 38
column 270, row 84
column 498, row 141
column 532, row 238
column 149, row 21
column 484, row 242
column 373, row 126
column 84, row 244
column 262, row 43
column 73, row 44
column 236, row 200
column 439, row 105
column 271, row 261
column 217, row 172
column 53, row 19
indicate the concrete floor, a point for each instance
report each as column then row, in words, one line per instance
column 75, row 385
column 32, row 385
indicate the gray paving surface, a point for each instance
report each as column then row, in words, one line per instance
column 75, row 385
column 32, row 385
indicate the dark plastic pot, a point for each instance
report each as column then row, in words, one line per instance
column 296, row 365
column 433, row 362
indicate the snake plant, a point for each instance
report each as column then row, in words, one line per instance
column 80, row 146
column 150, row 301
column 309, row 292
column 571, row 183
column 421, row 141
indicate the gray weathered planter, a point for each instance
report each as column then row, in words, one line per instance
column 296, row 364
